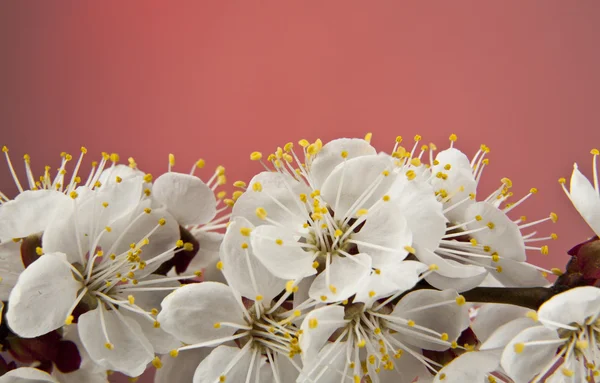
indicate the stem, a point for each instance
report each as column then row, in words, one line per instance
column 529, row 297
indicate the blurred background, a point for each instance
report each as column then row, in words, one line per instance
column 219, row 79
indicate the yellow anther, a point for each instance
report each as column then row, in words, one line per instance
column 453, row 137
column 39, row 250
column 109, row 346
column 478, row 218
column 188, row 246
column 554, row 217
column 556, row 271
column 533, row 190
column 371, row 294
column 386, row 198
column 244, row 245
column 344, row 154
column 315, row 265
column 156, row 362
column 313, row 323
column 418, row 138
column 444, row 336
column 258, row 298
column 220, row 265
column 261, row 213
column 582, row 344
column 562, row 180
column 410, row 323
column 289, row 286
column 73, row 194
column 532, row 315
column 595, row 152
column 473, row 241
column 495, row 257
column 454, row 344
column 362, row 343
column 255, row 156
column 442, row 376
column 460, row 300
column 433, row 267
column 279, row 241
column 568, row 373
column 490, row 225
column 487, row 249
column 174, row 353
column 338, row 233
column 447, row 167
column 544, row 250
column 333, row 289
column 118, row 179
column 323, row 298
column 315, row 193
column 361, row 212
column 148, row 177
column 245, row 231
column 304, row 143
column 410, row 249
column 171, row 159
column 162, row 221
column 69, row 320
column 554, row 236
column 154, row 311
column 385, row 173
column 519, row 347
column 222, row 378
column 499, row 269
column 411, row 175
column 368, row 137
column 472, row 196
column 114, row 157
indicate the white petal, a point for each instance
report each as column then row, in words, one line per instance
column 124, row 172
column 521, row 367
column 162, row 342
column 519, row 274
column 448, row 267
column 241, row 267
column 42, row 298
column 450, row 318
column 422, row 211
column 459, row 284
column 208, row 256
column 459, row 175
column 505, row 238
column 345, row 278
column 27, row 375
column 31, row 212
column 186, row 197
column 326, row 366
column 469, row 367
column 277, row 190
column 216, row 364
column 393, row 278
column 316, row 328
column 355, row 177
column 386, row 227
column 11, row 267
column 493, row 315
column 331, row 155
column 182, row 368
column 585, row 199
column 190, row 312
column 505, row 333
column 286, row 261
column 131, row 350
column 573, row 306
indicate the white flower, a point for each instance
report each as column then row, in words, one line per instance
column 567, row 336
column 27, row 375
column 387, row 341
column 11, row 266
column 197, row 207
column 212, row 314
column 345, row 213
column 480, row 237
column 100, row 258
column 585, row 196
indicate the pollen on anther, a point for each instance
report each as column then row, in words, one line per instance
column 544, row 250
column 519, row 347
column 554, row 217
column 109, row 346
column 220, row 265
column 410, row 249
column 460, row 300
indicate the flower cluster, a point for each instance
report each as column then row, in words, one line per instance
column 337, row 263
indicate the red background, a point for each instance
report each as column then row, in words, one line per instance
column 219, row 79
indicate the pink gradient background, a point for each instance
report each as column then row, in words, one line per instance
column 219, row 79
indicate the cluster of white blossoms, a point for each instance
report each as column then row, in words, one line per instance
column 337, row 263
